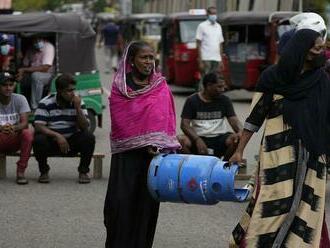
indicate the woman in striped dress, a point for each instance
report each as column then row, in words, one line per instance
column 293, row 99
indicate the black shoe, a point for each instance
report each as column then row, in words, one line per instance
column 84, row 178
column 44, row 178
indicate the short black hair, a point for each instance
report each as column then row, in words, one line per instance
column 63, row 81
column 212, row 78
column 208, row 10
column 134, row 47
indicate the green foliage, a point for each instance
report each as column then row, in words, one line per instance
column 53, row 4
column 39, row 5
column 29, row 5
column 317, row 6
column 99, row 6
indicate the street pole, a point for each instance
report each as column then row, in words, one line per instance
column 126, row 7
column 296, row 5
column 300, row 5
column 221, row 6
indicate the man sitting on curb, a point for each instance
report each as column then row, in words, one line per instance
column 62, row 129
column 203, row 121
column 14, row 132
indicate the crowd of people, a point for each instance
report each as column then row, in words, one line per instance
column 287, row 208
column 61, row 127
column 60, row 120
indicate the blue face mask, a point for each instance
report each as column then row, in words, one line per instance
column 213, row 18
column 39, row 45
column 4, row 49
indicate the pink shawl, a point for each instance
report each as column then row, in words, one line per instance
column 144, row 117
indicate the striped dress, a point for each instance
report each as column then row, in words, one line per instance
column 288, row 203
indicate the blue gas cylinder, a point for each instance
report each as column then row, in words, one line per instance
column 193, row 179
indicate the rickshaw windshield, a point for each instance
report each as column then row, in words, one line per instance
column 245, row 42
column 188, row 30
column 151, row 28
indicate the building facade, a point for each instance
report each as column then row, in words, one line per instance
column 170, row 6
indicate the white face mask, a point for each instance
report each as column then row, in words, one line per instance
column 213, row 18
column 39, row 45
column 4, row 49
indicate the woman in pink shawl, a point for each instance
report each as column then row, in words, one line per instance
column 142, row 124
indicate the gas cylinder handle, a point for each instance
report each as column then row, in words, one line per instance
column 226, row 165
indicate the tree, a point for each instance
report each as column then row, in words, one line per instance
column 39, row 5
column 53, row 4
column 99, row 6
column 29, row 5
column 317, row 6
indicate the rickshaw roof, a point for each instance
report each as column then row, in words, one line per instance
column 145, row 16
column 186, row 16
column 107, row 16
column 46, row 22
column 253, row 17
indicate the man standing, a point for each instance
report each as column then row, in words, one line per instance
column 209, row 40
column 14, row 132
column 203, row 121
column 62, row 129
column 110, row 35
column 38, row 69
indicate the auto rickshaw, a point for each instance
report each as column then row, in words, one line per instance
column 74, row 42
column 146, row 27
column 179, row 49
column 251, row 44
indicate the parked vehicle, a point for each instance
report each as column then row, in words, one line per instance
column 74, row 42
column 250, row 44
column 178, row 48
column 146, row 26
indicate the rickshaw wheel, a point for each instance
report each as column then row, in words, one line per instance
column 92, row 120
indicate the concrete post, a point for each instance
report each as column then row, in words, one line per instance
column 221, row 6
column 126, row 7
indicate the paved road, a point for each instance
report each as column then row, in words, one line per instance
column 65, row 214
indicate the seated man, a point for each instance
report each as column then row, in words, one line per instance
column 203, row 121
column 14, row 132
column 62, row 129
column 37, row 71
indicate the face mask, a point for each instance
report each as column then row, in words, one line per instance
column 39, row 45
column 318, row 60
column 212, row 18
column 4, row 49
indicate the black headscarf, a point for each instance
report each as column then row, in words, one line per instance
column 306, row 95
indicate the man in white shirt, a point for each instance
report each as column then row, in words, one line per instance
column 38, row 67
column 209, row 40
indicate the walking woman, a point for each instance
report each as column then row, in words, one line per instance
column 293, row 98
column 142, row 124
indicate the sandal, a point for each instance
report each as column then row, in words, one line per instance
column 21, row 180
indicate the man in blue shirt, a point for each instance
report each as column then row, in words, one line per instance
column 109, row 35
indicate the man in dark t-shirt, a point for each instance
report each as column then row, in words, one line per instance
column 203, row 121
